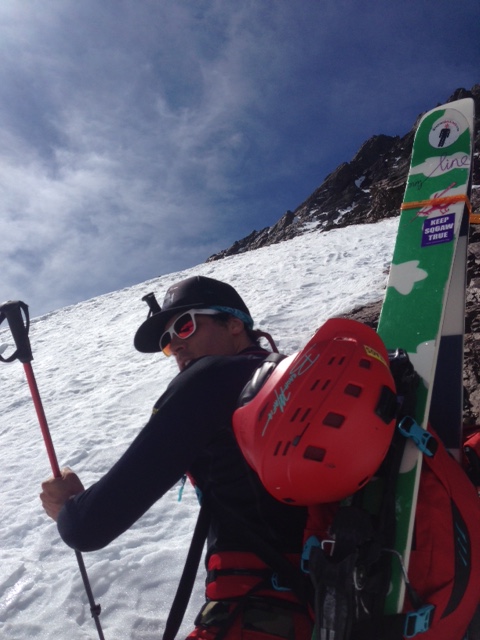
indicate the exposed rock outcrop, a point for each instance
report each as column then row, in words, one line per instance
column 367, row 189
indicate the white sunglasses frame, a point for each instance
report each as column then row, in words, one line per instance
column 172, row 332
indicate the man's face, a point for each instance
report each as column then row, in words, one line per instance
column 210, row 338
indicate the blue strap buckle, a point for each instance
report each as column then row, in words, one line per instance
column 424, row 440
column 311, row 542
column 418, row 621
column 276, row 583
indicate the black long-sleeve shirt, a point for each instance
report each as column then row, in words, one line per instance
column 190, row 431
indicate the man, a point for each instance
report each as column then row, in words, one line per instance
column 206, row 326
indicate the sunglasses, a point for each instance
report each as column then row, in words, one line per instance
column 183, row 327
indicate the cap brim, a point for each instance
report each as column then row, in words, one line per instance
column 147, row 337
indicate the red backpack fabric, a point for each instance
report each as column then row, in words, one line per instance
column 445, row 560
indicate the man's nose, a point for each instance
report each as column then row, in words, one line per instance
column 176, row 344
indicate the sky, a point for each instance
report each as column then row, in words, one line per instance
column 139, row 137
column 97, row 393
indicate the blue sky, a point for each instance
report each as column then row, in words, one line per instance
column 138, row 137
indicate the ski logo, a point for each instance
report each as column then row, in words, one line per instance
column 433, row 167
column 446, row 130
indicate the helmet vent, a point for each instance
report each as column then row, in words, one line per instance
column 279, row 450
column 262, row 411
column 365, row 364
column 353, row 390
column 314, row 453
column 334, row 420
column 317, row 382
column 297, row 412
column 305, row 415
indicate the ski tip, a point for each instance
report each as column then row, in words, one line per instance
column 465, row 106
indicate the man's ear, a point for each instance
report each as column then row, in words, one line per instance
column 235, row 325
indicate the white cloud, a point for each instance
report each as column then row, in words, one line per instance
column 139, row 138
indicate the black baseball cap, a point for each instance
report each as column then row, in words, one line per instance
column 196, row 292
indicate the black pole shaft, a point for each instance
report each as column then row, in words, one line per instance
column 95, row 609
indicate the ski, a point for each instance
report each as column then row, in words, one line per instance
column 424, row 304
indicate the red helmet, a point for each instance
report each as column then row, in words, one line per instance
column 320, row 422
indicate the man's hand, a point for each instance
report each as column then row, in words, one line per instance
column 56, row 491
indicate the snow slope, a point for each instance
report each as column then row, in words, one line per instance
column 97, row 393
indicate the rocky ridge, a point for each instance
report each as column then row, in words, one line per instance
column 370, row 188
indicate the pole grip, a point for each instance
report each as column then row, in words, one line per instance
column 19, row 327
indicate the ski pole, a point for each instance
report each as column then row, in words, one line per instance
column 19, row 326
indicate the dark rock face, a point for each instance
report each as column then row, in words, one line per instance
column 370, row 188
column 367, row 189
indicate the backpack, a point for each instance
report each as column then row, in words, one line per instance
column 292, row 416
column 346, row 563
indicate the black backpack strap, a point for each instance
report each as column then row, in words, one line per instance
column 387, row 628
column 259, row 378
column 185, row 586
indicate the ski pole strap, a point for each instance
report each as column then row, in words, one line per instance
column 19, row 326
